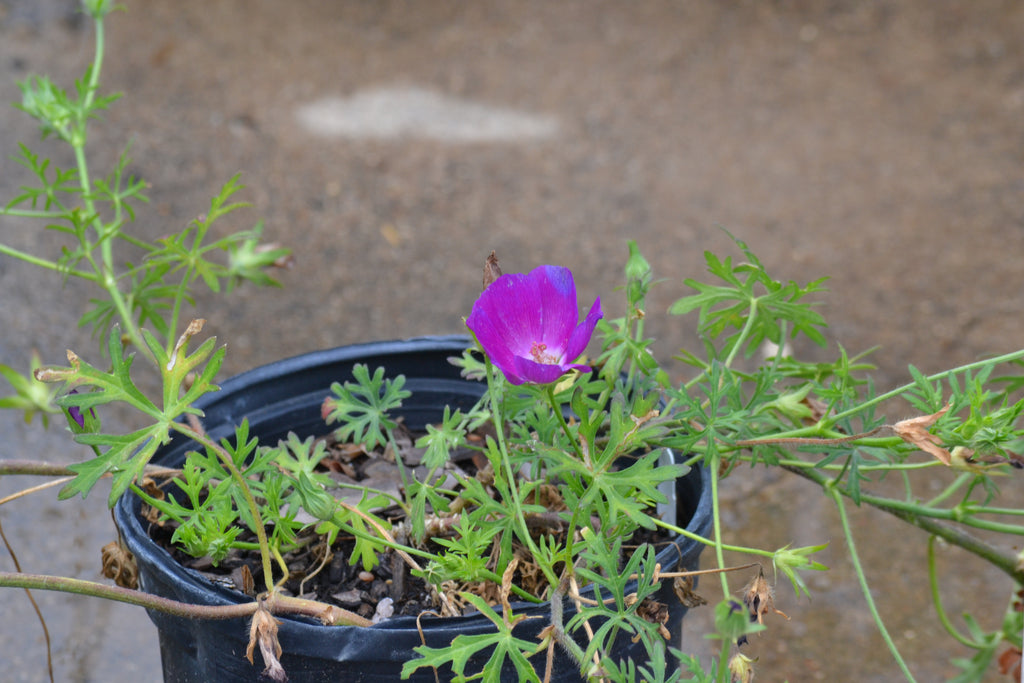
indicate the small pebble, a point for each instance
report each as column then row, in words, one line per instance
column 385, row 608
column 366, row 576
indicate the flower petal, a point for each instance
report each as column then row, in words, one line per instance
column 580, row 337
column 537, row 373
column 491, row 330
column 556, row 307
column 523, row 320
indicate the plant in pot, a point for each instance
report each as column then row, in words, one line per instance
column 519, row 520
column 500, row 506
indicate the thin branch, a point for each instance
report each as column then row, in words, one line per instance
column 1003, row 559
column 38, row 468
column 35, row 605
column 279, row 604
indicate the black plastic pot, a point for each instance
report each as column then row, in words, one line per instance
column 286, row 396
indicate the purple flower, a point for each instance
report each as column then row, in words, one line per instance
column 77, row 416
column 528, row 327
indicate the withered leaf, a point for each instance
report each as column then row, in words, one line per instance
column 915, row 431
column 683, row 587
column 491, row 270
column 263, row 632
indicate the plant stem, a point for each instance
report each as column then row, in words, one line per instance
column 127, row 595
column 557, row 411
column 279, row 604
column 751, row 315
column 862, row 580
column 46, row 263
column 712, row 469
column 105, row 273
column 516, row 502
column 32, row 600
column 1005, row 358
column 933, row 582
column 888, row 467
column 950, row 490
column 707, row 541
column 254, row 510
column 31, row 213
column 924, row 518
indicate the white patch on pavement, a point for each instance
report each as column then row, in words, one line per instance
column 414, row 112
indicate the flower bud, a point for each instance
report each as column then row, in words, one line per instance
column 637, row 267
column 315, row 500
column 741, row 669
column 98, row 9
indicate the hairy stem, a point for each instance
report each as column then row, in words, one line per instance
column 279, row 604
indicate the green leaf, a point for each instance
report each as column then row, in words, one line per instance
column 441, row 440
column 65, row 181
column 248, row 259
column 368, row 544
column 791, row 561
column 97, row 387
column 463, row 648
column 362, row 407
column 750, row 301
column 467, row 554
column 125, row 457
column 119, row 193
column 188, row 252
column 30, row 395
column 618, row 497
column 176, row 367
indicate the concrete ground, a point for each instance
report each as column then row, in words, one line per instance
column 392, row 145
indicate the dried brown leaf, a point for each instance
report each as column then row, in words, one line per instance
column 491, row 270
column 263, row 632
column 817, row 407
column 506, row 587
column 683, row 587
column 1010, row 662
column 915, row 431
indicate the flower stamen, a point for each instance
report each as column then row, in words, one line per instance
column 537, row 352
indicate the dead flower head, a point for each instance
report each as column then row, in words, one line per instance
column 759, row 598
column 119, row 565
column 263, row 631
column 656, row 613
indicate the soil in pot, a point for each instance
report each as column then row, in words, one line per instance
column 326, row 574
